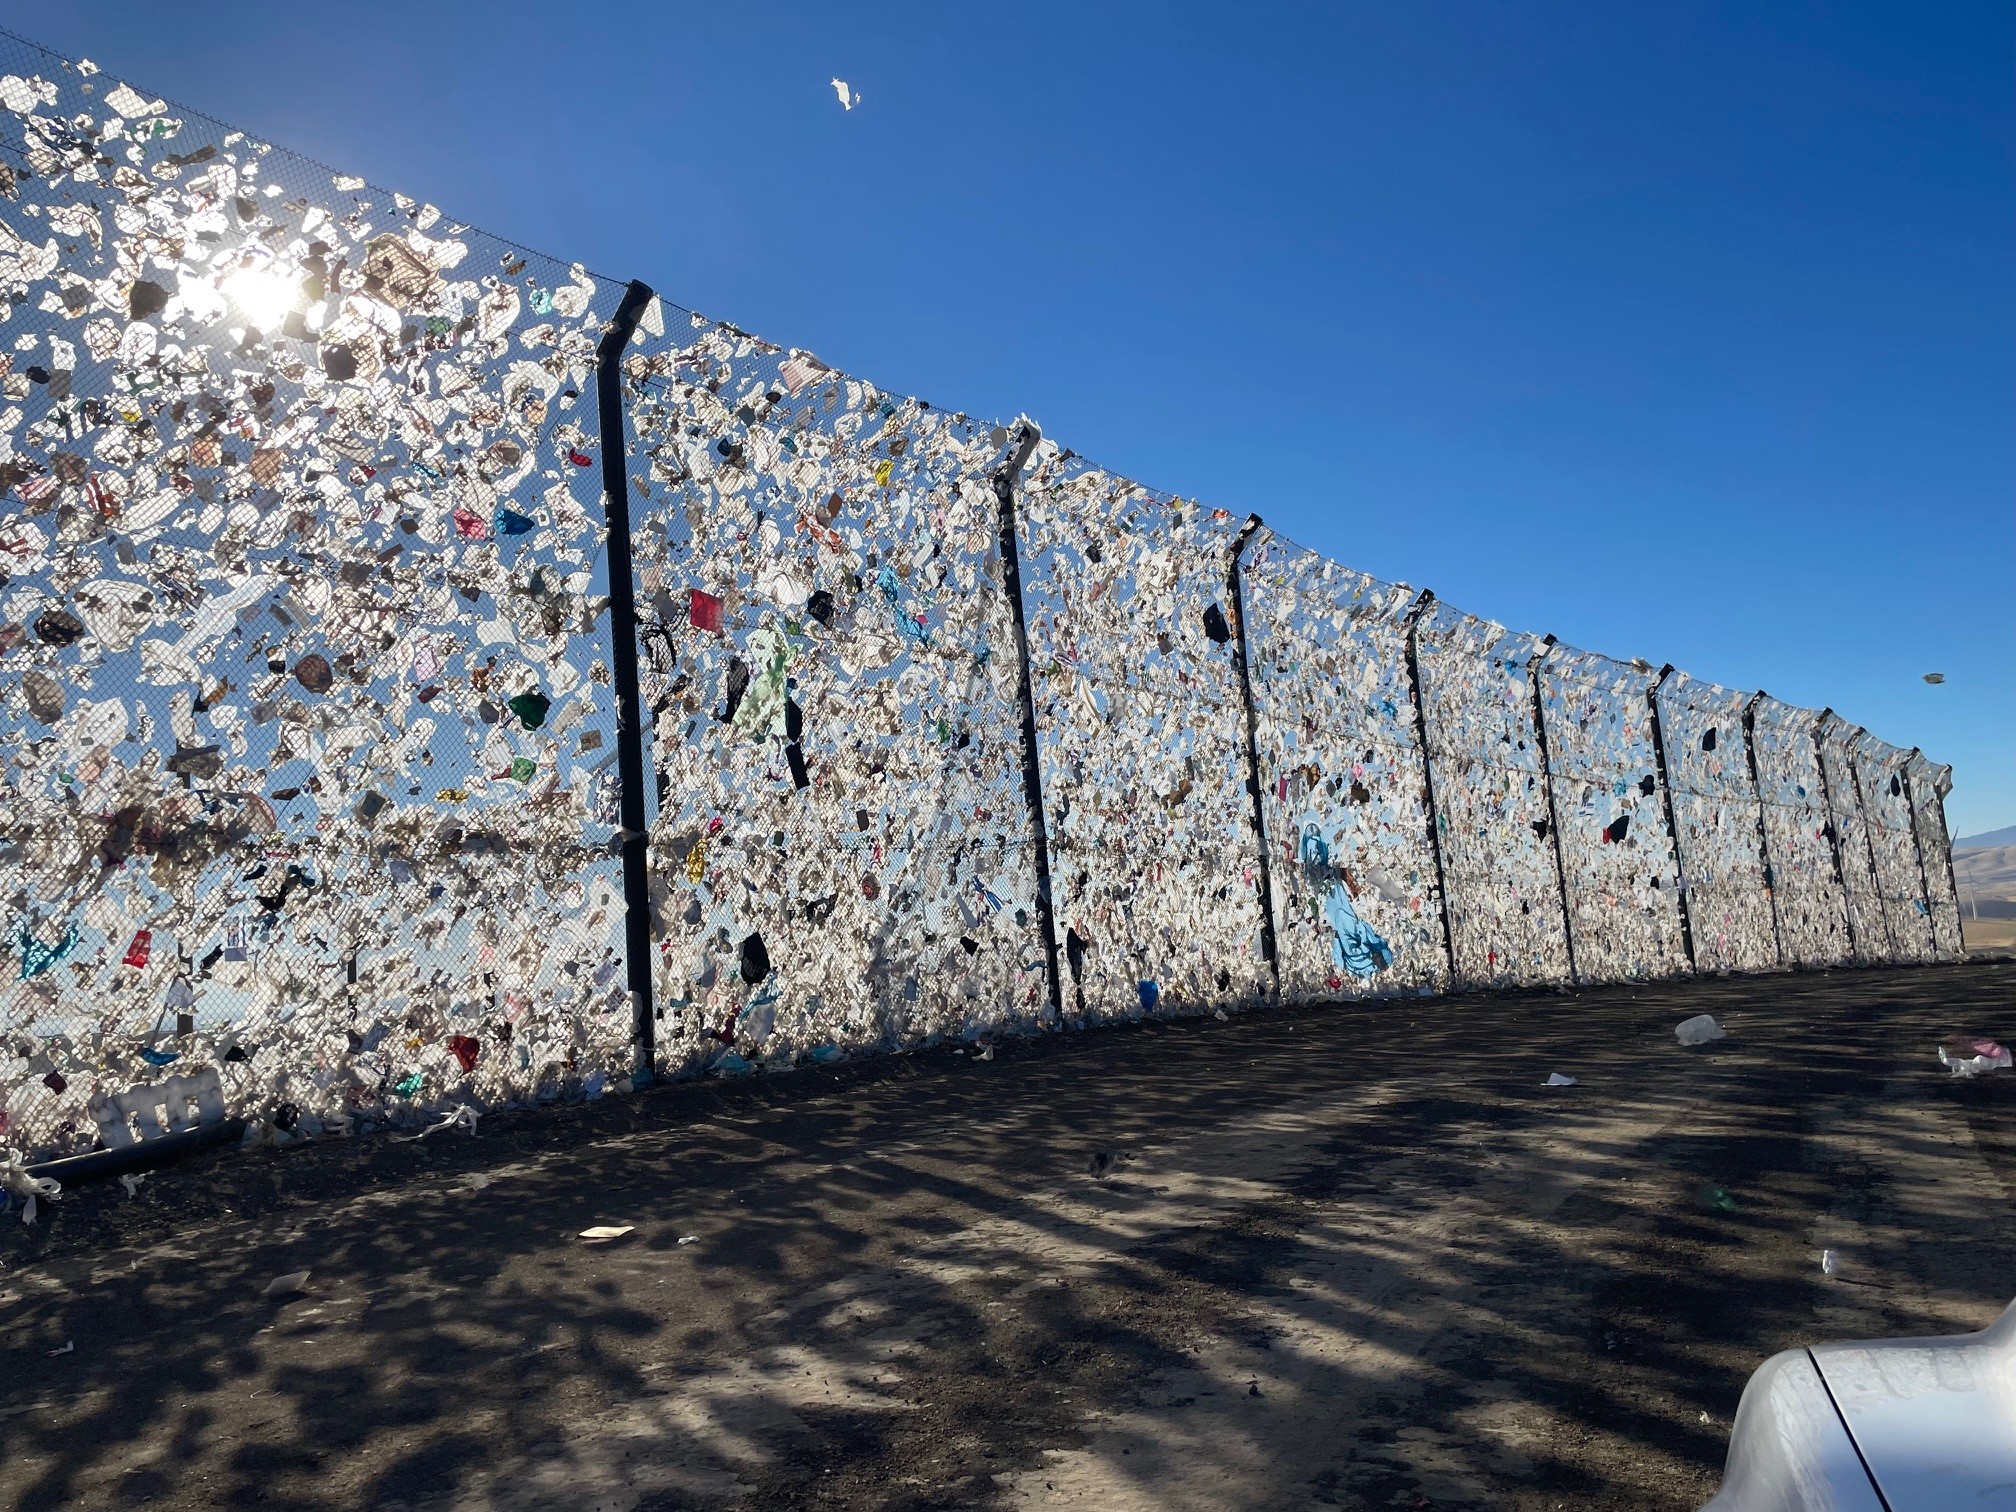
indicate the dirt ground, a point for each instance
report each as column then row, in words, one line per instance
column 1350, row 1257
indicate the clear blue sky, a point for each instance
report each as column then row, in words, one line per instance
column 1679, row 330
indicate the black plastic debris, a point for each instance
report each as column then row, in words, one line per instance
column 755, row 959
column 145, row 300
column 58, row 627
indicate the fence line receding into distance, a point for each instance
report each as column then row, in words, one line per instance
column 316, row 696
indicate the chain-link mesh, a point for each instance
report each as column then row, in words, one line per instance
column 305, row 722
column 1506, row 922
column 1154, row 865
column 1623, row 888
column 1730, row 893
column 1893, row 832
column 1357, row 908
column 1799, row 836
column 1930, row 782
column 309, row 733
column 1867, row 920
column 843, row 853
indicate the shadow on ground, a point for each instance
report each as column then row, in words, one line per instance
column 1349, row 1256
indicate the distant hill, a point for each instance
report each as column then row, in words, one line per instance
column 1986, row 873
column 1993, row 840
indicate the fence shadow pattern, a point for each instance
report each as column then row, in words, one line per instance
column 312, row 703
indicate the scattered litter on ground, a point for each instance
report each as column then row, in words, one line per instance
column 1970, row 1057
column 464, row 1116
column 1556, row 1079
column 285, row 1286
column 1830, row 1263
column 1700, row 1030
column 606, row 1233
column 1715, row 1197
column 15, row 1181
column 689, row 1238
column 69, row 1347
column 131, row 1181
column 480, row 1180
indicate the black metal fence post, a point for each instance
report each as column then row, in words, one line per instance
column 634, row 836
column 1834, row 830
column 1269, row 946
column 1412, row 627
column 1869, row 839
column 1553, row 813
column 1672, row 821
column 1763, row 829
column 1918, row 849
column 1027, row 435
column 1939, row 792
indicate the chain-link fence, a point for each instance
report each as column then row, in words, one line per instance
column 1807, row 864
column 1502, row 856
column 1343, row 785
column 1893, row 842
column 1930, row 782
column 843, row 855
column 307, row 711
column 1733, row 902
column 1606, row 767
column 1155, row 863
column 316, row 693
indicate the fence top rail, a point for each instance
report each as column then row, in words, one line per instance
column 1792, row 720
column 1594, row 672
column 1707, row 697
column 1449, row 629
column 1880, row 753
column 1938, row 775
column 1299, row 574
